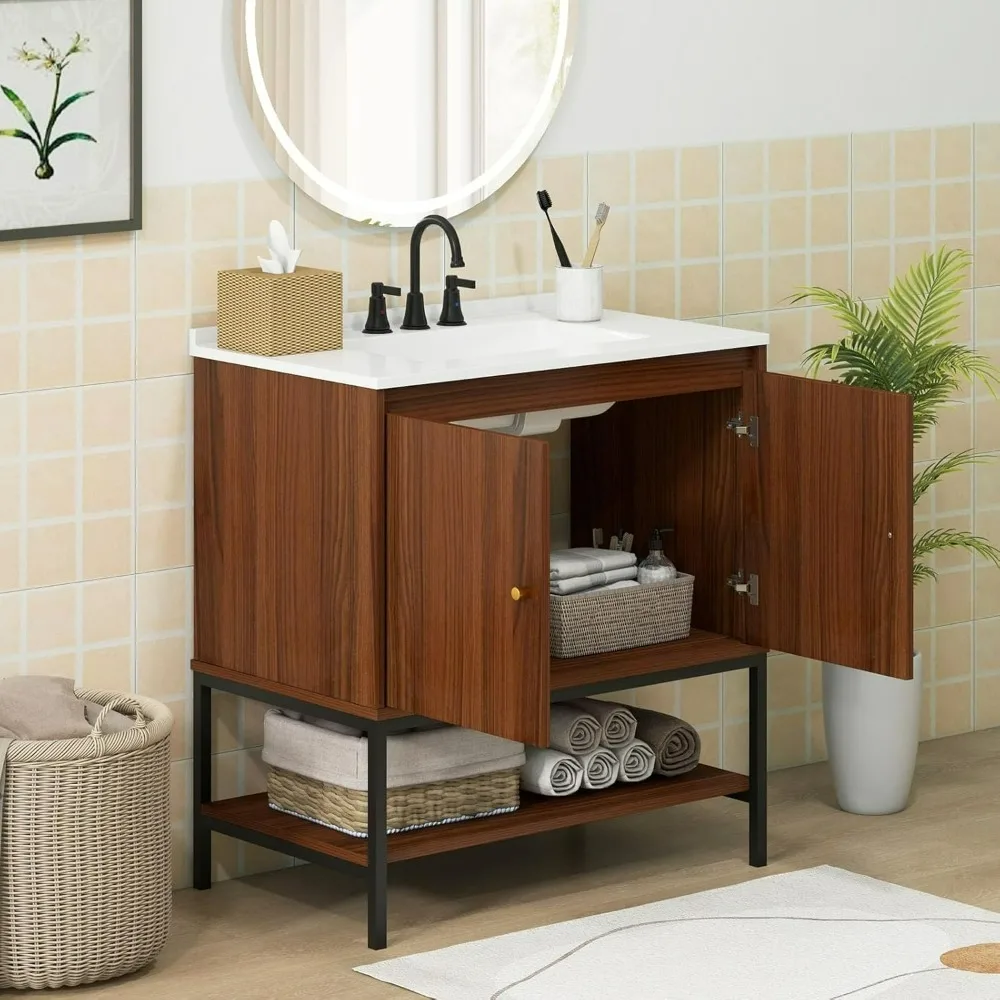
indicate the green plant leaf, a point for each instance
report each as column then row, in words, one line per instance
column 23, row 108
column 921, row 573
column 16, row 133
column 72, row 99
column 938, row 539
column 70, row 137
column 936, row 471
column 904, row 345
column 923, row 304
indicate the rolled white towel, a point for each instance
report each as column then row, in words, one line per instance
column 573, row 731
column 618, row 724
column 549, row 772
column 578, row 584
column 565, row 564
column 600, row 769
column 637, row 761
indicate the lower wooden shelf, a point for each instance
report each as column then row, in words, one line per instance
column 537, row 814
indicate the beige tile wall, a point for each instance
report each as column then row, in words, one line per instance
column 95, row 396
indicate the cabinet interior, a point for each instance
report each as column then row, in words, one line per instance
column 667, row 463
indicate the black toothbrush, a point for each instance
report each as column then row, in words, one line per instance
column 545, row 203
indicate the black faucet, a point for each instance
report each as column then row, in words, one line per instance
column 415, row 317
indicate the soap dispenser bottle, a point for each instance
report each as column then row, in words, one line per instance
column 656, row 567
column 378, row 319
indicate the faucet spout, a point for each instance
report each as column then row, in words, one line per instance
column 416, row 317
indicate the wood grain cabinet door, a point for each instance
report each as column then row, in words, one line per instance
column 828, row 529
column 468, row 521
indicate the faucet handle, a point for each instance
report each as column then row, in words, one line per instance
column 378, row 319
column 451, row 309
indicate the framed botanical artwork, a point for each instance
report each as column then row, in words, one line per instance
column 70, row 117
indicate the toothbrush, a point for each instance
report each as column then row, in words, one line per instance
column 599, row 219
column 545, row 203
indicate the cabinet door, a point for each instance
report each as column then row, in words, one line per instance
column 827, row 491
column 468, row 521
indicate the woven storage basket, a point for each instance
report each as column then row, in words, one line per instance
column 605, row 621
column 281, row 313
column 85, row 884
column 407, row 808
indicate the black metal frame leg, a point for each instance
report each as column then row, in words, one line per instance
column 758, row 764
column 201, row 833
column 378, row 839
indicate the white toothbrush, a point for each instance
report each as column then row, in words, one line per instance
column 599, row 219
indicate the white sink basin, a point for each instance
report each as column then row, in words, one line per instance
column 491, row 340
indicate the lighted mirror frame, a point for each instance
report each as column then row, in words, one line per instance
column 360, row 208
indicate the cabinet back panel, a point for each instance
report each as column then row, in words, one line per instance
column 289, row 530
column 668, row 462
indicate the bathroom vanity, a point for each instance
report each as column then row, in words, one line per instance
column 361, row 555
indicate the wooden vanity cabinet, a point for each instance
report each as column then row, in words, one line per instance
column 358, row 548
column 362, row 558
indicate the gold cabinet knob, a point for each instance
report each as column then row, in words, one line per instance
column 520, row 593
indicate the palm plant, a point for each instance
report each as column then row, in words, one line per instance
column 48, row 59
column 904, row 345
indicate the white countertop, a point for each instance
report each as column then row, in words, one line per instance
column 503, row 337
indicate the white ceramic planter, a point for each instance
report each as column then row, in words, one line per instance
column 872, row 732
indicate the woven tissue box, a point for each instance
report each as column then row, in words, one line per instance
column 605, row 621
column 273, row 314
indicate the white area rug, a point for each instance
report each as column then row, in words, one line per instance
column 819, row 934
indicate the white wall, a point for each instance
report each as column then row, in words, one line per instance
column 683, row 72
column 647, row 73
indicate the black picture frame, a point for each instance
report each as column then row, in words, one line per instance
column 134, row 222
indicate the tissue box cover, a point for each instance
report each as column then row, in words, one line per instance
column 274, row 314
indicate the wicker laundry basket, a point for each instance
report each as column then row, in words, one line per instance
column 85, row 883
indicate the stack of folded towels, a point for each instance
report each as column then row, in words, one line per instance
column 572, row 571
column 594, row 744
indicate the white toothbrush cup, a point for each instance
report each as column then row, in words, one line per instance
column 579, row 294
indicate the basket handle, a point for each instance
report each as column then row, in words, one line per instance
column 120, row 701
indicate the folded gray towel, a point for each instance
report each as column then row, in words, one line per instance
column 637, row 761
column 549, row 772
column 675, row 743
column 600, row 769
column 617, row 722
column 573, row 731
column 47, row 708
column 621, row 585
column 567, row 563
column 578, row 584
column 336, row 758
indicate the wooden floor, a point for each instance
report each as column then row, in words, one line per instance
column 295, row 934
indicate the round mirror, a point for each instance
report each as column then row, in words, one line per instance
column 388, row 110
